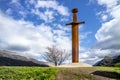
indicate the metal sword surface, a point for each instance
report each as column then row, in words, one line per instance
column 75, row 36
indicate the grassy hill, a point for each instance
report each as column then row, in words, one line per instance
column 53, row 73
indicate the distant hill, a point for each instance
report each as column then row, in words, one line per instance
column 108, row 61
column 8, row 58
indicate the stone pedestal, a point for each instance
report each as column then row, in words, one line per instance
column 80, row 64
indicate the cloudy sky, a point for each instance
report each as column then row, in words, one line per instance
column 29, row 26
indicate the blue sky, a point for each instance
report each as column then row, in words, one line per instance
column 29, row 26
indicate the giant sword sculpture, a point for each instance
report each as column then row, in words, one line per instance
column 75, row 36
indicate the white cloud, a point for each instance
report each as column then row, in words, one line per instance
column 92, row 56
column 14, row 1
column 32, row 1
column 16, row 8
column 24, row 37
column 47, row 16
column 44, row 10
column 84, row 35
column 54, row 5
column 28, row 39
column 104, row 17
column 24, row 34
column 115, row 12
column 9, row 11
column 91, row 2
column 88, row 56
column 108, row 3
column 110, row 28
column 22, row 13
column 51, row 10
column 63, row 19
column 61, row 37
column 108, row 36
column 63, row 28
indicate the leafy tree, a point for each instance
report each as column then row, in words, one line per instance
column 56, row 55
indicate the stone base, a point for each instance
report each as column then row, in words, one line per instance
column 80, row 64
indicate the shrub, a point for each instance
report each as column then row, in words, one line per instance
column 117, row 65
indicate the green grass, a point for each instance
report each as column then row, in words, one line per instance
column 111, row 69
column 117, row 65
column 27, row 73
column 52, row 73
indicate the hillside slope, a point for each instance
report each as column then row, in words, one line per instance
column 8, row 58
column 108, row 61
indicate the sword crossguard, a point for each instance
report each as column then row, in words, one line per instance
column 73, row 23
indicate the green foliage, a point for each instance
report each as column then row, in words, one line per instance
column 52, row 73
column 117, row 65
column 111, row 69
column 27, row 73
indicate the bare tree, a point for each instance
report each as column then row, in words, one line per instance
column 55, row 55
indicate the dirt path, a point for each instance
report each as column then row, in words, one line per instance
column 85, row 74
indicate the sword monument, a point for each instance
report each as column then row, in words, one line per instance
column 75, row 36
column 75, row 43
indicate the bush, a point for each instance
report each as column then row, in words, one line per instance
column 117, row 65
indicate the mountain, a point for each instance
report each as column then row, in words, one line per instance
column 8, row 58
column 108, row 61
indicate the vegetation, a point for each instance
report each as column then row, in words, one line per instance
column 53, row 73
column 27, row 73
column 56, row 55
column 117, row 65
